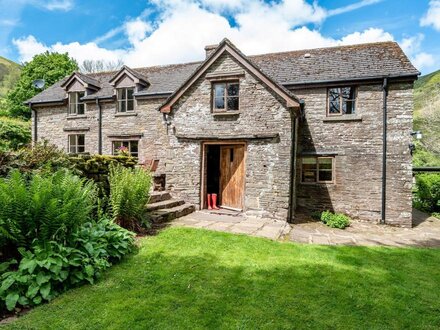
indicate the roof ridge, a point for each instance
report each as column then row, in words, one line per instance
column 330, row 47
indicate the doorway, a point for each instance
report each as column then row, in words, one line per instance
column 224, row 174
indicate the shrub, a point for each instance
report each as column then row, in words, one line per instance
column 428, row 191
column 41, row 158
column 14, row 133
column 45, row 271
column 46, row 208
column 129, row 195
column 335, row 220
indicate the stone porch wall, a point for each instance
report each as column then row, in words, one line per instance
column 267, row 161
column 358, row 160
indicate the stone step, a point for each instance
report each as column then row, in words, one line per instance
column 166, row 204
column 165, row 215
column 159, row 196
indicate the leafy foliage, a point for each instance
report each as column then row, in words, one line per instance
column 40, row 158
column 335, row 220
column 44, row 272
column 129, row 195
column 48, row 66
column 428, row 191
column 47, row 208
column 14, row 133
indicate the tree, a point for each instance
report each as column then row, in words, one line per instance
column 92, row 66
column 48, row 66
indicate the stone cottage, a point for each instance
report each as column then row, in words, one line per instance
column 312, row 129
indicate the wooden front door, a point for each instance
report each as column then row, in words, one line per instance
column 232, row 176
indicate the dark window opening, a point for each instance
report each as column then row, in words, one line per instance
column 129, row 147
column 341, row 101
column 317, row 169
column 226, row 96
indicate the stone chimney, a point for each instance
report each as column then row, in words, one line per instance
column 210, row 49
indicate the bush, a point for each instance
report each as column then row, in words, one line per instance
column 335, row 220
column 41, row 158
column 428, row 191
column 45, row 272
column 129, row 195
column 47, row 208
column 14, row 133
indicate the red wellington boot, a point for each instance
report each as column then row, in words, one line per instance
column 209, row 202
column 214, row 202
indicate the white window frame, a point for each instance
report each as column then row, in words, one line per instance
column 76, row 104
column 76, row 144
column 129, row 142
column 120, row 100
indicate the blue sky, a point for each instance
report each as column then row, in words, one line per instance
column 142, row 33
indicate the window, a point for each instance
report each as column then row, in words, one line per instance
column 225, row 96
column 76, row 143
column 131, row 147
column 125, row 99
column 341, row 101
column 76, row 107
column 317, row 169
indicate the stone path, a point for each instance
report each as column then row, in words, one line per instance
column 425, row 233
column 233, row 222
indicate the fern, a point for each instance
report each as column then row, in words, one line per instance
column 129, row 195
column 46, row 207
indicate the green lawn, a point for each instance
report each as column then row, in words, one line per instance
column 195, row 279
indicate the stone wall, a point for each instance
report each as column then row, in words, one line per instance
column 267, row 161
column 357, row 146
column 144, row 124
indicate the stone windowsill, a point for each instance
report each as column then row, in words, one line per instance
column 125, row 114
column 70, row 117
column 342, row 118
column 226, row 113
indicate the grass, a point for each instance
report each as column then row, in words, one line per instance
column 197, row 279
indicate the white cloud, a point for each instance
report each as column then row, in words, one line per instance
column 432, row 16
column 423, row 61
column 353, row 6
column 63, row 5
column 183, row 28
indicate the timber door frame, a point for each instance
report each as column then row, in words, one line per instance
column 203, row 167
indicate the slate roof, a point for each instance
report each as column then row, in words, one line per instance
column 365, row 61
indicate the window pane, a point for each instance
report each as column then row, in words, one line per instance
column 80, row 109
column 219, row 90
column 122, row 106
column 119, row 94
column 130, row 93
column 233, row 90
column 348, row 107
column 72, row 108
column 116, row 145
column 325, row 163
column 72, row 140
column 309, row 160
column 81, row 139
column 233, row 103
column 80, row 95
column 334, row 107
column 81, row 149
column 308, row 175
column 72, row 149
column 134, row 148
column 325, row 175
column 130, row 105
column 334, row 102
column 219, row 103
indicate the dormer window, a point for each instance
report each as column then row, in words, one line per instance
column 125, row 99
column 76, row 107
column 225, row 96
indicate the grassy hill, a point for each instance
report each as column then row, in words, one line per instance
column 427, row 119
column 9, row 74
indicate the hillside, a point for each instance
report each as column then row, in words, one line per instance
column 9, row 74
column 427, row 119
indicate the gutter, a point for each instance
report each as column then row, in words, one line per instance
column 384, row 151
column 344, row 80
column 292, row 202
column 99, row 126
column 35, row 137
